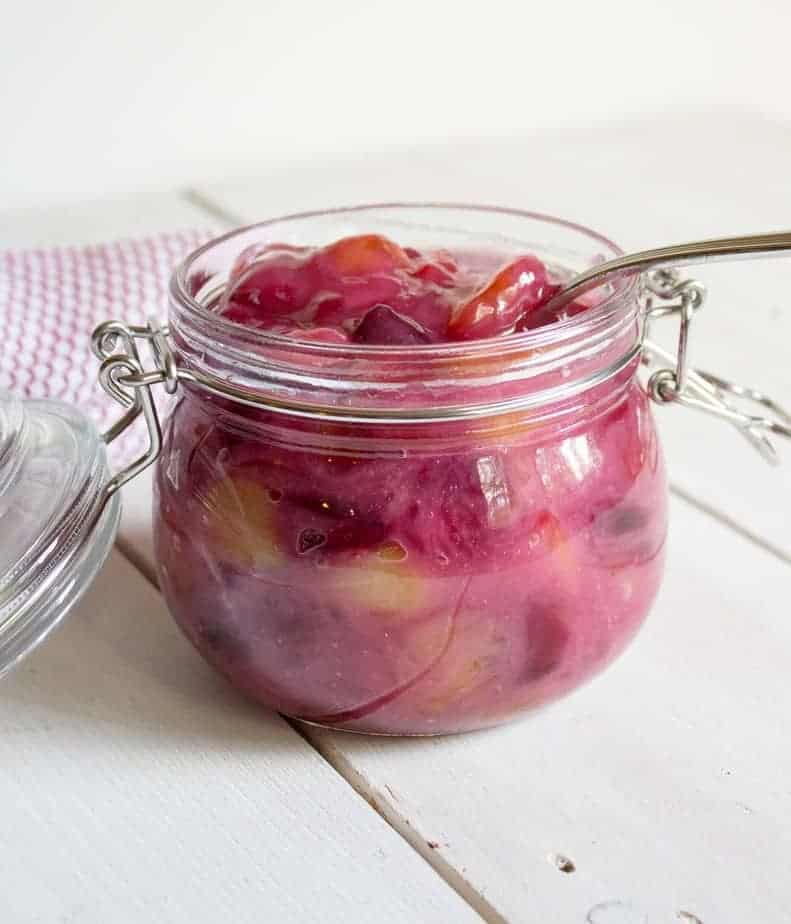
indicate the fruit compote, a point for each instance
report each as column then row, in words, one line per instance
column 409, row 579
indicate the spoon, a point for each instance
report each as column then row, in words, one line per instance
column 723, row 248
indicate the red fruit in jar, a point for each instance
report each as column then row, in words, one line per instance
column 547, row 638
column 385, row 327
column 275, row 287
column 441, row 270
column 363, row 255
column 255, row 252
column 345, row 307
column 369, row 288
column 460, row 511
column 378, row 582
column 517, row 289
column 430, row 310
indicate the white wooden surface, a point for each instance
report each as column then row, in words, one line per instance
column 665, row 781
column 93, row 222
column 136, row 787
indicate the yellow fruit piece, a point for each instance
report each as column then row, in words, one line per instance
column 391, row 592
column 556, row 541
column 512, row 424
column 471, row 676
column 470, row 663
column 240, row 522
column 420, row 644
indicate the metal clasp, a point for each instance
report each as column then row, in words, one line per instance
column 124, row 377
column 676, row 382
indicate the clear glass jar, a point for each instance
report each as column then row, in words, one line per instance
column 410, row 541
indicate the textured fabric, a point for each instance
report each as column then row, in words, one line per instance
column 50, row 301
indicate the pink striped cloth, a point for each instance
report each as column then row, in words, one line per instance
column 50, row 301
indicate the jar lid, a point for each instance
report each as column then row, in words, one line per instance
column 55, row 525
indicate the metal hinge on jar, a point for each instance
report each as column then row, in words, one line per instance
column 673, row 381
column 124, row 377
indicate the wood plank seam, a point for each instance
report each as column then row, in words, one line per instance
column 211, row 208
column 385, row 804
column 730, row 523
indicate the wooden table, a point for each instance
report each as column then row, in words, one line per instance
column 137, row 787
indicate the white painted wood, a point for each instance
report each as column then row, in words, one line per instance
column 135, row 539
column 95, row 222
column 136, row 786
column 665, row 781
column 644, row 183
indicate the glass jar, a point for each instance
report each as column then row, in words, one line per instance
column 381, row 539
column 410, row 541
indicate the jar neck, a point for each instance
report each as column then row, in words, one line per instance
column 546, row 372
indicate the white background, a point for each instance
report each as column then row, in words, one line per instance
column 100, row 99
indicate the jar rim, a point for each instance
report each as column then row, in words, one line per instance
column 286, row 366
column 622, row 289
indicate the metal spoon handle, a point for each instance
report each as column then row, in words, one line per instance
column 724, row 248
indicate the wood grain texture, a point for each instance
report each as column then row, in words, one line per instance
column 137, row 787
column 643, row 183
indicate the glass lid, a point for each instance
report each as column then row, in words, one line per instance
column 55, row 528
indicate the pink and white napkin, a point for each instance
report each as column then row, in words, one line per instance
column 51, row 300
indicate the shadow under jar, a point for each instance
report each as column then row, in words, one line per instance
column 410, row 541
